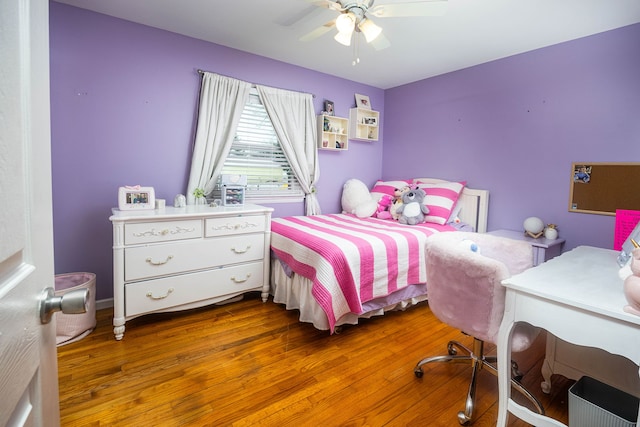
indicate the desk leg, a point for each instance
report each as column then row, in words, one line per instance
column 505, row 404
column 504, row 361
column 638, row 420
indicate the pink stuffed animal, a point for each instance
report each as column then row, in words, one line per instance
column 632, row 285
column 383, row 207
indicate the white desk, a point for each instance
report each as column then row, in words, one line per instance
column 578, row 297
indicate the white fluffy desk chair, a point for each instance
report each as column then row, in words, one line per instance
column 464, row 291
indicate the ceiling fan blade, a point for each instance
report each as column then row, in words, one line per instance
column 380, row 42
column 329, row 4
column 298, row 19
column 318, row 31
column 410, row 8
column 316, row 10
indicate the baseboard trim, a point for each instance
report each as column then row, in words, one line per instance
column 104, row 303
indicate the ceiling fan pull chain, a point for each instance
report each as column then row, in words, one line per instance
column 356, row 56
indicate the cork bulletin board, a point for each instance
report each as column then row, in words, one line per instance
column 601, row 188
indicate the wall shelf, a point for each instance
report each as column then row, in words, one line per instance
column 364, row 124
column 332, row 132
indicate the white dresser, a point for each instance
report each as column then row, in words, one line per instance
column 181, row 258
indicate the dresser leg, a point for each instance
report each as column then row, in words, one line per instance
column 118, row 331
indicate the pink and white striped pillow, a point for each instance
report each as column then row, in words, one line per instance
column 441, row 199
column 388, row 187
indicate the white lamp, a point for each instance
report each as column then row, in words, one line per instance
column 369, row 29
column 345, row 23
column 343, row 38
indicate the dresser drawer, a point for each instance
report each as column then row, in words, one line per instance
column 235, row 225
column 149, row 232
column 166, row 292
column 142, row 262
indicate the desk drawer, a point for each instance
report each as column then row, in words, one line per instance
column 160, row 260
column 235, row 225
column 166, row 292
column 163, row 231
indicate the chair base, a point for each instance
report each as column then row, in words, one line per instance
column 479, row 361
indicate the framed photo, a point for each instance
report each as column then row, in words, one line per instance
column 362, row 101
column 582, row 173
column 370, row 121
column 328, row 107
column 133, row 198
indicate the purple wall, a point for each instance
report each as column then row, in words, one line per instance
column 514, row 126
column 123, row 105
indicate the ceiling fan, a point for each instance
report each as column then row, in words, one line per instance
column 354, row 18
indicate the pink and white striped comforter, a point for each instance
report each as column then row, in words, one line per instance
column 351, row 260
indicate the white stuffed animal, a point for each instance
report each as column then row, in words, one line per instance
column 357, row 200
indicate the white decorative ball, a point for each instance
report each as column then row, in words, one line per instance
column 533, row 225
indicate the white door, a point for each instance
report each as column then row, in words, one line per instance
column 28, row 364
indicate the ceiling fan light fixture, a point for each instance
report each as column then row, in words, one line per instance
column 343, row 38
column 369, row 29
column 345, row 23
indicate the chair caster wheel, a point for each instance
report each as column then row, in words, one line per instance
column 451, row 350
column 418, row 372
column 462, row 419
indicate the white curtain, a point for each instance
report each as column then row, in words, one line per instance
column 293, row 119
column 222, row 100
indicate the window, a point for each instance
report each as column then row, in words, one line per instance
column 256, row 152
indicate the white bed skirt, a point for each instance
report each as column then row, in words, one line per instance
column 295, row 293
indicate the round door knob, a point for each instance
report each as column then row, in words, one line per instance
column 74, row 302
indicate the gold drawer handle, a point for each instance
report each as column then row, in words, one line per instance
column 241, row 251
column 150, row 260
column 150, row 294
column 240, row 280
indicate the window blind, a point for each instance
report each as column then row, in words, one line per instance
column 256, row 152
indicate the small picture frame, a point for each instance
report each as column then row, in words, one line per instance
column 371, row 121
column 362, row 101
column 232, row 195
column 582, row 174
column 329, row 107
column 132, row 198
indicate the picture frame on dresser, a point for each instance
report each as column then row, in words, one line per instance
column 132, row 198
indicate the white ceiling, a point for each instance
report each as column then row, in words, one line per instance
column 471, row 32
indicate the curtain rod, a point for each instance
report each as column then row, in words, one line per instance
column 201, row 72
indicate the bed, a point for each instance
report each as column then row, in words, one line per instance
column 337, row 268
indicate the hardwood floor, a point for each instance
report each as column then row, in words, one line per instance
column 253, row 363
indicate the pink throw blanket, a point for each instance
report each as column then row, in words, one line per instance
column 352, row 260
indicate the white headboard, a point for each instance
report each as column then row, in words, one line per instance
column 474, row 204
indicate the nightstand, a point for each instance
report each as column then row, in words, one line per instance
column 543, row 249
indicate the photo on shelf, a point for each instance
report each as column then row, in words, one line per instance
column 362, row 101
column 370, row 121
column 328, row 107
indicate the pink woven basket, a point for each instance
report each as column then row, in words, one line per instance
column 73, row 327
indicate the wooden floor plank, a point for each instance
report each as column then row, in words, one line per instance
column 253, row 363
